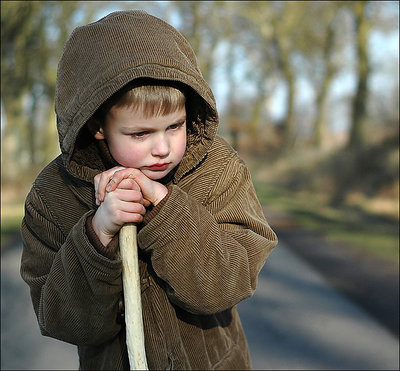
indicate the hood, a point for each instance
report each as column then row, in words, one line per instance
column 100, row 58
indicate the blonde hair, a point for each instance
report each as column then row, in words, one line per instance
column 150, row 100
column 153, row 100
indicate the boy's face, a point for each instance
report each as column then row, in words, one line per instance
column 153, row 145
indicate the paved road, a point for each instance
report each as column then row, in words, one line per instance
column 294, row 321
column 22, row 345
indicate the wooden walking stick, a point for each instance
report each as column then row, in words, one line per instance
column 133, row 303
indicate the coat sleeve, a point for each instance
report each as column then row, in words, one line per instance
column 210, row 253
column 74, row 289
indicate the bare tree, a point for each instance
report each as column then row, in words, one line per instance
column 362, row 27
column 32, row 37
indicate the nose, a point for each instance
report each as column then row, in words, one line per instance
column 161, row 146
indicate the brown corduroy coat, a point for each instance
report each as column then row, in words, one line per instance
column 201, row 248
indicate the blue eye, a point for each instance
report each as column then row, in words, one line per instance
column 140, row 134
column 176, row 126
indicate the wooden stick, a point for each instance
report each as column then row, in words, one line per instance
column 132, row 297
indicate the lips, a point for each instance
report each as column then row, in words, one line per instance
column 158, row 167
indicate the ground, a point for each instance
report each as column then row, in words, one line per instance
column 371, row 282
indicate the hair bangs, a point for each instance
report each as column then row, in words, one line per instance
column 153, row 101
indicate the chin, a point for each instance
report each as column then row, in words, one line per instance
column 155, row 175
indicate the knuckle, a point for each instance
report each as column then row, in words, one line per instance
column 118, row 215
column 138, row 195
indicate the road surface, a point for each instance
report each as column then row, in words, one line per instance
column 295, row 320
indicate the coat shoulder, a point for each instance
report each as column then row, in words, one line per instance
column 222, row 149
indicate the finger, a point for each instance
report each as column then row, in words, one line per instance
column 100, row 188
column 105, row 175
column 127, row 195
column 118, row 176
column 131, row 217
column 129, row 184
column 147, row 186
column 136, row 175
column 132, row 207
column 101, row 181
column 98, row 181
column 114, row 207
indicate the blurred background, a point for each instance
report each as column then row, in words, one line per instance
column 307, row 94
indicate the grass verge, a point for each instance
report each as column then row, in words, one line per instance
column 351, row 225
column 12, row 212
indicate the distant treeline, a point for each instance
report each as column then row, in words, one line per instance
column 250, row 47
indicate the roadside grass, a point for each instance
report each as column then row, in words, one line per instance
column 351, row 225
column 300, row 186
column 12, row 211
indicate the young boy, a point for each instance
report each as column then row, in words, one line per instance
column 137, row 128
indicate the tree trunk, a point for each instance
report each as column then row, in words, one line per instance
column 323, row 92
column 359, row 104
column 288, row 136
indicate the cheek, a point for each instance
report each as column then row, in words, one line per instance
column 127, row 155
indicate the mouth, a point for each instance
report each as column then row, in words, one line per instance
column 158, row 167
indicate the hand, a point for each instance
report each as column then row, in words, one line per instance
column 153, row 192
column 101, row 181
column 124, row 205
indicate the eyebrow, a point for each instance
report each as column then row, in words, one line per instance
column 179, row 120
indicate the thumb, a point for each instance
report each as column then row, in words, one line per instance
column 152, row 190
column 140, row 179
